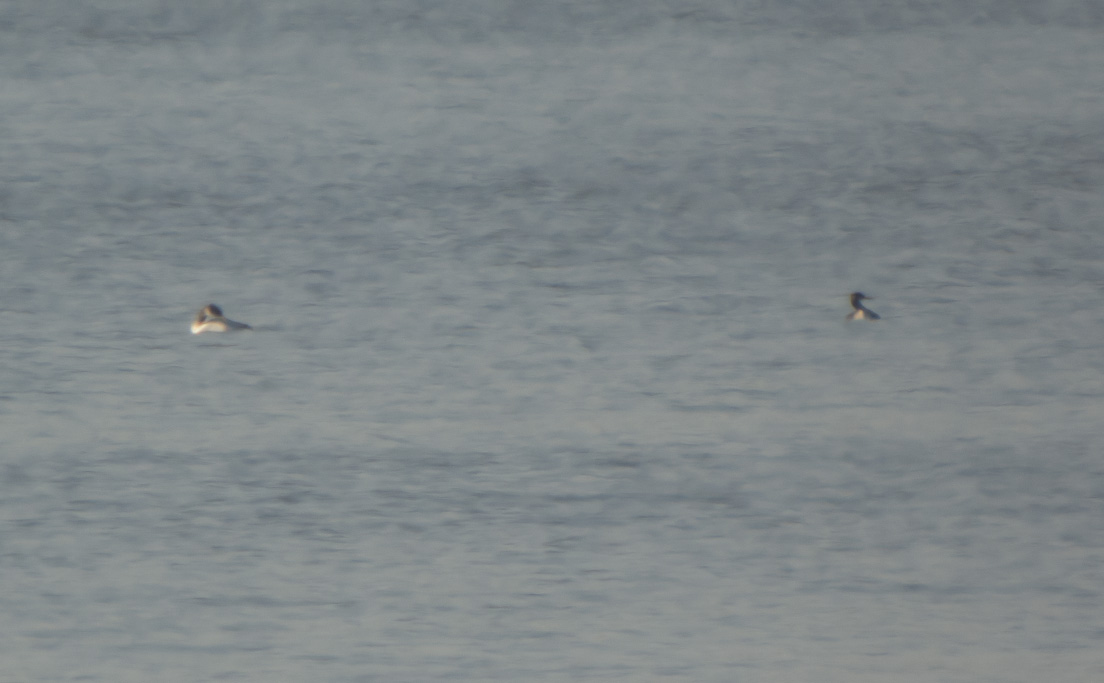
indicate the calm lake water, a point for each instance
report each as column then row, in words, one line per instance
column 550, row 378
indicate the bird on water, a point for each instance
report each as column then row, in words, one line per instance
column 861, row 312
column 211, row 319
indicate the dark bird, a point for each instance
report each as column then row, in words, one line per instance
column 861, row 312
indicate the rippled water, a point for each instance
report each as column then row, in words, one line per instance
column 550, row 378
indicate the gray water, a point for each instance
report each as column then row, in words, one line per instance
column 550, row 378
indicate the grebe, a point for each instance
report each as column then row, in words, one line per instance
column 211, row 319
column 861, row 312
